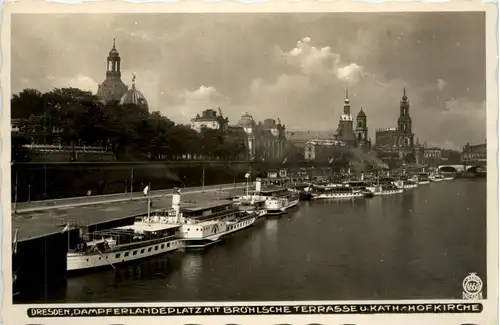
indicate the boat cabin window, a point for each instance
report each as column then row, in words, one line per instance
column 134, row 253
column 156, row 248
column 142, row 251
column 149, row 249
column 117, row 255
column 162, row 246
column 126, row 254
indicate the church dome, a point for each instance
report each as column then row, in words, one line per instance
column 246, row 120
column 135, row 97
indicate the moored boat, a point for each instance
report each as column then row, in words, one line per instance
column 118, row 245
column 304, row 191
column 387, row 189
column 436, row 178
column 278, row 200
column 205, row 223
column 407, row 184
column 344, row 192
column 422, row 179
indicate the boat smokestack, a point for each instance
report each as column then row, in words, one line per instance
column 258, row 185
column 176, row 199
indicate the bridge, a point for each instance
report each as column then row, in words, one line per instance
column 467, row 168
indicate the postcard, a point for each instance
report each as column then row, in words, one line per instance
column 249, row 163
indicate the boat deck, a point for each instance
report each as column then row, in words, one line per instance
column 41, row 223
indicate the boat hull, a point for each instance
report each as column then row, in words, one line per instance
column 338, row 196
column 391, row 192
column 77, row 262
column 203, row 242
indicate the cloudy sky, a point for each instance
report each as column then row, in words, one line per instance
column 289, row 66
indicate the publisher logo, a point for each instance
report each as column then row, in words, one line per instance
column 473, row 287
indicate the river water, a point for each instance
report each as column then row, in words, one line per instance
column 417, row 245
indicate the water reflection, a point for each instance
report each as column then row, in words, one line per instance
column 191, row 269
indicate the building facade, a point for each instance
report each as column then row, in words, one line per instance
column 474, row 154
column 322, row 150
column 432, row 156
column 265, row 140
column 211, row 120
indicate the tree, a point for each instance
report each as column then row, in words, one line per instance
column 73, row 117
column 27, row 103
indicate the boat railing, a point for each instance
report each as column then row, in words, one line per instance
column 120, row 247
column 212, row 216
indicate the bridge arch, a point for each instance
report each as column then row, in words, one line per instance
column 448, row 169
column 474, row 169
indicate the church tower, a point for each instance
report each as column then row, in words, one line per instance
column 361, row 129
column 112, row 88
column 345, row 130
column 404, row 123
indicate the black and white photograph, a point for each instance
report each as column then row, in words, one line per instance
column 247, row 157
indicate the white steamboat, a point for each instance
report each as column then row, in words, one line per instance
column 203, row 224
column 278, row 200
column 344, row 192
column 118, row 245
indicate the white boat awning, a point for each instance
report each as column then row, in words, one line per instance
column 145, row 227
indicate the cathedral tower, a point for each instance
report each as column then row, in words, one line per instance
column 361, row 129
column 404, row 123
column 345, row 131
column 112, row 88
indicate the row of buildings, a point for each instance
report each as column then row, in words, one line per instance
column 269, row 139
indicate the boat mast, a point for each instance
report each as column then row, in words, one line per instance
column 149, row 201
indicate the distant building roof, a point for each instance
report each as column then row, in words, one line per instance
column 304, row 136
column 246, row 120
column 322, row 142
column 206, row 115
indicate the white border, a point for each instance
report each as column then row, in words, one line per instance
column 16, row 314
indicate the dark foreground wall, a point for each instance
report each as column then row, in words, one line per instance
column 50, row 181
column 41, row 262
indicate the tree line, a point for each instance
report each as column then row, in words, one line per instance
column 71, row 117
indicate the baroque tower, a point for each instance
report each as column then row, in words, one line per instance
column 404, row 124
column 112, row 88
column 361, row 129
column 345, row 131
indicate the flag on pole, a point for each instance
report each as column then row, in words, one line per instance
column 330, row 160
column 66, row 228
column 247, row 175
column 146, row 190
column 284, row 160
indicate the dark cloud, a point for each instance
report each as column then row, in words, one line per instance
column 291, row 66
